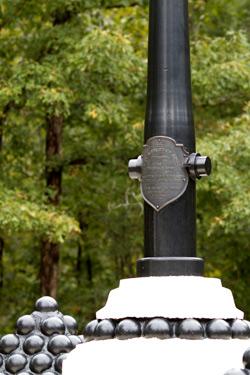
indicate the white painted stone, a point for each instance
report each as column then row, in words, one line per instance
column 154, row 356
column 170, row 297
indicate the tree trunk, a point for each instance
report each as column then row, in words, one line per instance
column 49, row 268
column 79, row 261
column 1, row 261
column 6, row 109
column 50, row 251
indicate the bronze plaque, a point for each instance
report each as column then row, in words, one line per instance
column 164, row 177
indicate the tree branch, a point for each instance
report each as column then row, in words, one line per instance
column 79, row 161
column 117, row 6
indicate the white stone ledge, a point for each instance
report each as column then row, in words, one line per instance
column 173, row 297
column 154, row 356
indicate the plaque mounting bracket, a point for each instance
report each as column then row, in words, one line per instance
column 164, row 169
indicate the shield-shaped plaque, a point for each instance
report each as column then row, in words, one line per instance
column 164, row 177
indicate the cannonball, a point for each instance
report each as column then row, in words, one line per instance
column 75, row 340
column 219, row 329
column 33, row 344
column 53, row 325
column 59, row 361
column 40, row 362
column 240, row 329
column 105, row 330
column 25, row 324
column 60, row 344
column 90, row 328
column 246, row 359
column 127, row 329
column 9, row 343
column 15, row 362
column 71, row 324
column 46, row 304
column 190, row 329
column 157, row 327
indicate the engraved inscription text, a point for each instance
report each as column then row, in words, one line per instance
column 164, row 177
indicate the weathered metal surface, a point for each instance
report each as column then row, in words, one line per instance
column 164, row 177
column 187, row 329
column 170, row 231
column 41, row 342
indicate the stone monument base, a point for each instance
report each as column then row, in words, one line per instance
column 156, row 357
column 172, row 325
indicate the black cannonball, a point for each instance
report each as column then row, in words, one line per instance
column 15, row 362
column 46, row 304
column 157, row 327
column 190, row 329
column 219, row 329
column 40, row 362
column 25, row 324
column 246, row 359
column 9, row 343
column 128, row 329
column 75, row 340
column 240, row 329
column 71, row 324
column 53, row 325
column 59, row 361
column 105, row 330
column 60, row 344
column 33, row 344
column 90, row 328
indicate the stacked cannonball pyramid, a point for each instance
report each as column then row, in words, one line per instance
column 246, row 361
column 41, row 342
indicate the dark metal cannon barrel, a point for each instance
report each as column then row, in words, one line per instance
column 170, row 234
column 169, row 106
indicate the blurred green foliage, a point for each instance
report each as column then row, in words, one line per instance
column 86, row 61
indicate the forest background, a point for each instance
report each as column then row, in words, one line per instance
column 72, row 102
